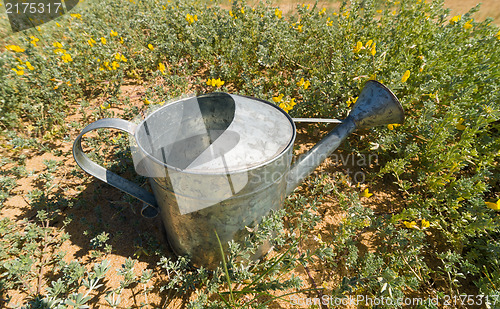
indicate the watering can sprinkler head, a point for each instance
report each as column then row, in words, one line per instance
column 376, row 106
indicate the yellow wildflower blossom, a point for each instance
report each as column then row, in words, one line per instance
column 105, row 105
column 410, row 225
column 115, row 65
column 366, row 193
column 14, row 48
column 373, row 51
column 161, row 68
column 76, row 16
column 66, row 58
column 59, row 51
column 393, row 126
column 57, row 24
column 121, row 40
column 29, row 66
column 287, row 106
column 455, row 19
column 278, row 13
column 215, row 82
column 57, row 45
column 113, row 33
column 299, row 28
column 405, row 77
column 242, row 11
column 303, row 83
column 459, row 125
column 191, row 18
column 34, row 40
column 18, row 72
column 359, row 46
column 494, row 206
column 91, row 42
column 278, row 99
column 369, row 43
column 146, row 101
column 425, row 224
column 323, row 11
column 103, row 40
column 468, row 24
column 351, row 101
column 150, row 46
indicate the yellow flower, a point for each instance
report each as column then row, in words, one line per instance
column 76, row 16
column 425, row 224
column 287, row 106
column 330, row 23
column 323, row 11
column 146, row 101
column 18, row 72
column 304, row 83
column 161, row 68
column 299, row 28
column 498, row 35
column 105, row 105
column 410, row 225
column 393, row 126
column 359, row 46
column 373, row 51
column 29, row 66
column 369, row 43
column 459, row 125
column 123, row 58
column 191, row 18
column 278, row 99
column 59, row 51
column 103, row 40
column 366, row 193
column 151, row 47
column 14, row 48
column 494, row 206
column 57, row 24
column 91, row 42
column 455, row 19
column 113, row 33
column 351, row 101
column 115, row 65
column 121, row 40
column 34, row 40
column 57, row 45
column 468, row 25
column 215, row 82
column 405, row 77
column 278, row 13
column 66, row 58
column 242, row 11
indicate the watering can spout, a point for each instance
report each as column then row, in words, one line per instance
column 375, row 106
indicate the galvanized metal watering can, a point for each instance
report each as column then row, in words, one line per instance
column 220, row 162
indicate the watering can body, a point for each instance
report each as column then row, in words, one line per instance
column 218, row 163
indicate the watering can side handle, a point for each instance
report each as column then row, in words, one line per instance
column 151, row 209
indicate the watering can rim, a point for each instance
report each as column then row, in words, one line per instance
column 211, row 172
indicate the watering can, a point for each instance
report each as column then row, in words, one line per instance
column 218, row 163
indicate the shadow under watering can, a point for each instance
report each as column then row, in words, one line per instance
column 222, row 161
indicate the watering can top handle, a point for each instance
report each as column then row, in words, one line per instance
column 151, row 209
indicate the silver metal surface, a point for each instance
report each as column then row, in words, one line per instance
column 316, row 120
column 221, row 162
